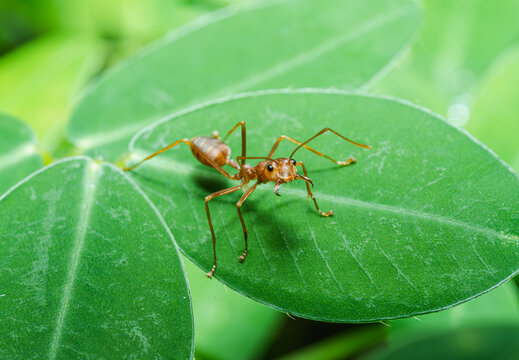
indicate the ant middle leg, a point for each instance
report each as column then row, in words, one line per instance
column 243, row 139
column 238, row 205
column 207, row 199
column 311, row 195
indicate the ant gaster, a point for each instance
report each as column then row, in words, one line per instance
column 215, row 153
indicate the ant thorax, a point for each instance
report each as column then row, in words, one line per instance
column 249, row 172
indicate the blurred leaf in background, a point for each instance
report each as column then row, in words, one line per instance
column 495, row 118
column 483, row 328
column 135, row 21
column 307, row 43
column 52, row 48
column 18, row 154
column 498, row 307
column 41, row 78
column 458, row 42
column 129, row 24
column 340, row 346
column 480, row 343
column 23, row 20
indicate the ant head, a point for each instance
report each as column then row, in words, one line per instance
column 280, row 171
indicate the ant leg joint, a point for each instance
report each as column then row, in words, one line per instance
column 243, row 256
column 329, row 213
column 210, row 273
column 351, row 160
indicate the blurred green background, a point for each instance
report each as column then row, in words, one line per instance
column 464, row 65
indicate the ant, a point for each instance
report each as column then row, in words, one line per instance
column 214, row 152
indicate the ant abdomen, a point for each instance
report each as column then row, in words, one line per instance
column 213, row 148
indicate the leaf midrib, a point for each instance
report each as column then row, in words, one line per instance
column 89, row 189
column 179, row 167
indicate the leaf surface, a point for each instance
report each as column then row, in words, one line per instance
column 18, row 155
column 426, row 219
column 272, row 44
column 88, row 269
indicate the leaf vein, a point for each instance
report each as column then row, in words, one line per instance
column 400, row 272
column 89, row 190
column 357, row 261
column 283, row 236
column 324, row 259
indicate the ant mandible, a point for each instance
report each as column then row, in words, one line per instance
column 214, row 152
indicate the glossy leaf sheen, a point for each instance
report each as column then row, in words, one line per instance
column 18, row 156
column 273, row 44
column 424, row 220
column 88, row 269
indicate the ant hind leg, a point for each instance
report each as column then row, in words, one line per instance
column 207, row 199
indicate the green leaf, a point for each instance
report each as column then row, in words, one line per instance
column 489, row 342
column 41, row 78
column 459, row 40
column 272, row 44
column 18, row 155
column 341, row 346
column 498, row 307
column 426, row 219
column 495, row 116
column 101, row 17
column 227, row 324
column 88, row 269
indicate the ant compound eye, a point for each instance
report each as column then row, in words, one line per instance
column 293, row 162
column 270, row 167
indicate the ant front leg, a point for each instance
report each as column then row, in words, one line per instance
column 238, row 204
column 207, row 199
column 310, row 194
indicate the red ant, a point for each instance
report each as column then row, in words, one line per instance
column 214, row 152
